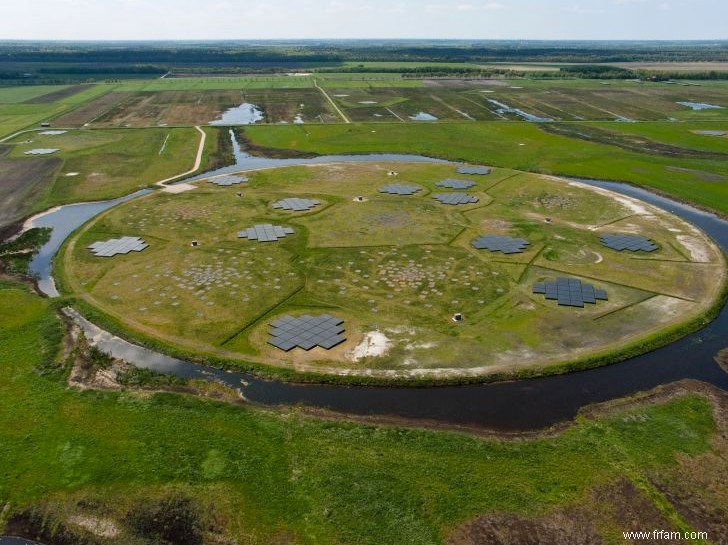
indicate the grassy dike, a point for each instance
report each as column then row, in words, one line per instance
column 257, row 474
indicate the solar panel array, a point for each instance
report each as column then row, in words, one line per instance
column 227, row 181
column 570, row 292
column 633, row 243
column 455, row 184
column 296, row 205
column 496, row 243
column 455, row 198
column 479, row 171
column 265, row 232
column 41, row 151
column 306, row 332
column 400, row 189
column 116, row 246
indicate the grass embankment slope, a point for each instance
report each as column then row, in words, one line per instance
column 261, row 475
column 518, row 145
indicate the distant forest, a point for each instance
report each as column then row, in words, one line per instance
column 69, row 60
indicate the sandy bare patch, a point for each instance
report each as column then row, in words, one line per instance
column 178, row 188
column 698, row 252
column 98, row 526
column 71, row 174
column 633, row 205
column 374, row 343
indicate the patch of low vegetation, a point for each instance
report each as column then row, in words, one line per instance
column 629, row 142
column 146, row 378
column 15, row 255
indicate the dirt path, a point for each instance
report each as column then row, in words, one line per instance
column 331, row 101
column 179, row 188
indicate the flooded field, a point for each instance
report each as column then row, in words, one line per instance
column 245, row 114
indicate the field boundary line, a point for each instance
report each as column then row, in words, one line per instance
column 394, row 113
column 616, row 283
column 331, row 101
column 620, row 309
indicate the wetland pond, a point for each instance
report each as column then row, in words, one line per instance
column 245, row 114
column 505, row 109
column 700, row 106
column 423, row 116
column 507, row 406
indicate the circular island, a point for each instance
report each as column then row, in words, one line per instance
column 335, row 270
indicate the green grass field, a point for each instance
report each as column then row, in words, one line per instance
column 23, row 93
column 103, row 164
column 262, row 475
column 379, row 263
column 15, row 116
column 522, row 146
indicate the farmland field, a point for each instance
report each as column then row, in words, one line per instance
column 389, row 257
column 103, row 164
column 195, row 108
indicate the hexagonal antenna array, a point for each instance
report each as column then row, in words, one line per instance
column 570, row 292
column 296, row 205
column 41, row 151
column 633, row 243
column 265, row 232
column 455, row 198
column 400, row 189
column 306, row 332
column 496, row 243
column 477, row 171
column 226, row 181
column 450, row 183
column 117, row 246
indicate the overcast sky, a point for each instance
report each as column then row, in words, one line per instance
column 276, row 19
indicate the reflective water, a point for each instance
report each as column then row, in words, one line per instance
column 64, row 220
column 245, row 114
column 245, row 161
column 505, row 109
column 700, row 105
column 423, row 116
